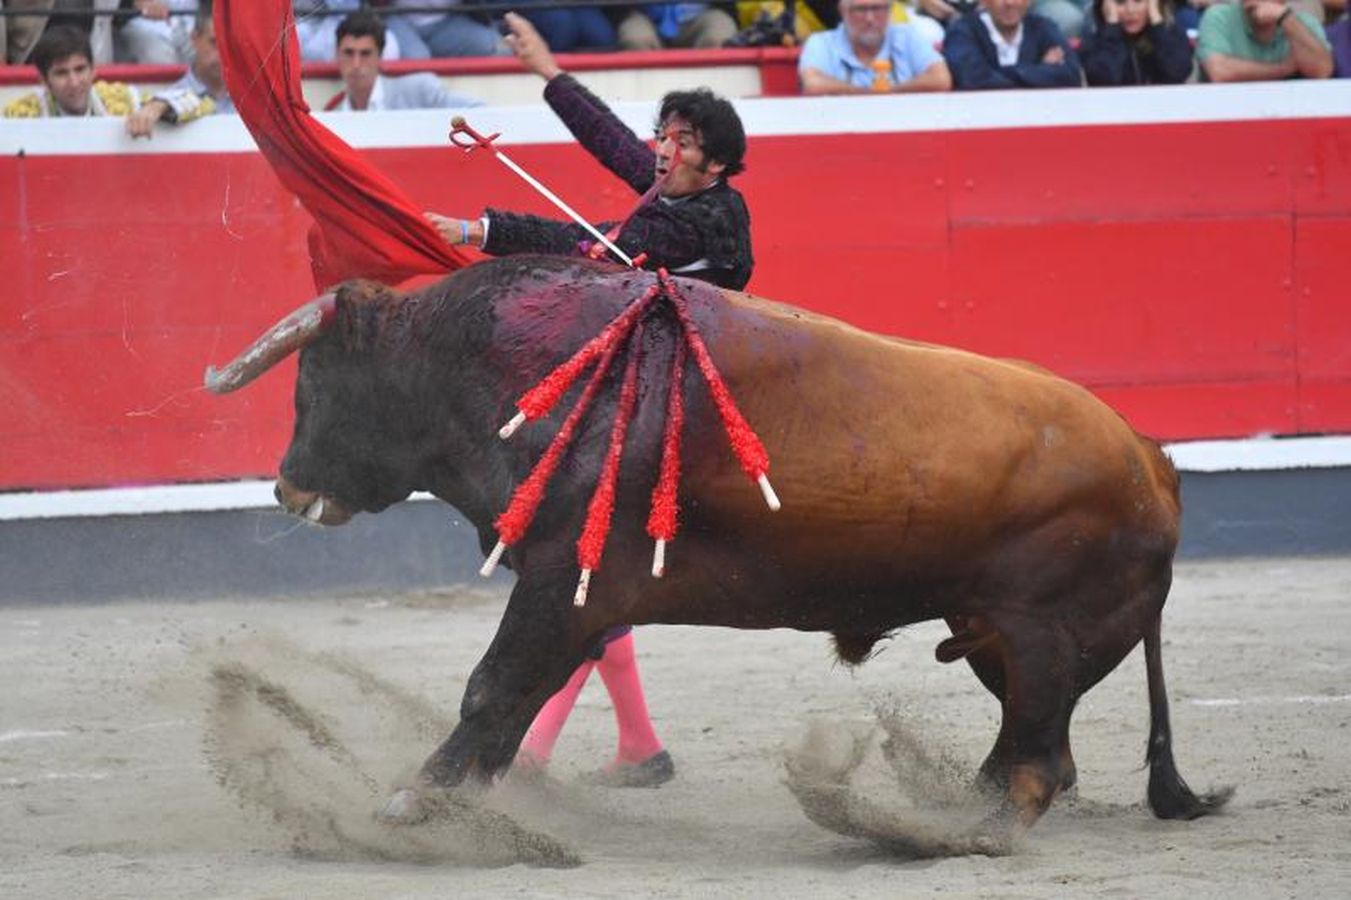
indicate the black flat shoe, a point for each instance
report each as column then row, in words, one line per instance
column 652, row 772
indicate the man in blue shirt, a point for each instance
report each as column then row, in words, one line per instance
column 866, row 54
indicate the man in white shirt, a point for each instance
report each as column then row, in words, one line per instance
column 361, row 40
column 1005, row 46
column 317, row 26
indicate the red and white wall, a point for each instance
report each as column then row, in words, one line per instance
column 1181, row 251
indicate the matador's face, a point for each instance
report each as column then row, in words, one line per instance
column 681, row 161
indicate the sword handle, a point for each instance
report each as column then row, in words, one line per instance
column 463, row 135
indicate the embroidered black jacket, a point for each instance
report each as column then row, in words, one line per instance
column 705, row 235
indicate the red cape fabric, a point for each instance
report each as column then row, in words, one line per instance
column 365, row 227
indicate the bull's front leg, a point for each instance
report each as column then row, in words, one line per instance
column 531, row 657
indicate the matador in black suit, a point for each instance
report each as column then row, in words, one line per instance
column 695, row 224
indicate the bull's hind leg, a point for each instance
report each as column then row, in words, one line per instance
column 977, row 641
column 1033, row 744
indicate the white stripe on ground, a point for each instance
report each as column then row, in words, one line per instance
column 7, row 737
column 1313, row 700
column 54, row 776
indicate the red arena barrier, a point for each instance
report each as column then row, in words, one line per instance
column 1176, row 250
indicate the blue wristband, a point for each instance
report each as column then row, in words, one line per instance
column 464, row 231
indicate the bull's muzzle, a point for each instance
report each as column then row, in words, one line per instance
column 311, row 506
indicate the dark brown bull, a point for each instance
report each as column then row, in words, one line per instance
column 918, row 482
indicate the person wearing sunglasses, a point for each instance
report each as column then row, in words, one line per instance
column 867, row 53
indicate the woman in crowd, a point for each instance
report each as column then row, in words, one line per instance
column 1135, row 42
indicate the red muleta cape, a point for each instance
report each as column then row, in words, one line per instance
column 365, row 227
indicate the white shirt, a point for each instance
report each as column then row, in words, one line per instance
column 1007, row 50
column 376, row 101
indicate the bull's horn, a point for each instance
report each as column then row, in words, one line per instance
column 279, row 342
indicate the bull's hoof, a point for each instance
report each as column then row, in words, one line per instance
column 425, row 802
column 405, row 806
column 995, row 836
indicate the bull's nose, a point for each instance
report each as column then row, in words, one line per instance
column 276, row 492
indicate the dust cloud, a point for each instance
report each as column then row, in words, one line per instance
column 282, row 758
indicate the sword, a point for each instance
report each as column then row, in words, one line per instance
column 472, row 140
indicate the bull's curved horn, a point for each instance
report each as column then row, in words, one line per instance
column 279, row 342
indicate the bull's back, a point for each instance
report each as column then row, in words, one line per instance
column 926, row 450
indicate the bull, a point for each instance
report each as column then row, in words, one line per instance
column 918, row 482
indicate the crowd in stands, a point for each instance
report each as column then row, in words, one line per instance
column 848, row 46
column 1061, row 43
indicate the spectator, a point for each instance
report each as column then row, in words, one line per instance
column 1187, row 14
column 1261, row 40
column 823, row 15
column 675, row 25
column 1339, row 36
column 811, row 16
column 575, row 28
column 1068, row 15
column 696, row 226
column 361, row 40
column 23, row 32
column 317, row 27
column 945, row 12
column 770, row 23
column 157, row 36
column 201, row 90
column 864, row 54
column 1005, row 46
column 1134, row 43
column 424, row 35
column 65, row 65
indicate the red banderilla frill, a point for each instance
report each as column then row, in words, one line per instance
column 750, row 452
column 512, row 524
column 602, row 506
column 539, row 400
column 662, row 521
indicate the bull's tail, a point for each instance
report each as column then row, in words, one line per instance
column 1169, row 796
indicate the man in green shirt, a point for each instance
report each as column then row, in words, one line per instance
column 1261, row 40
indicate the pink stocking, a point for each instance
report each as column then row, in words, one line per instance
column 539, row 741
column 619, row 670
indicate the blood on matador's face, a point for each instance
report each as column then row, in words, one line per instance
column 681, row 161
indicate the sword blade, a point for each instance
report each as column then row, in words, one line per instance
column 558, row 202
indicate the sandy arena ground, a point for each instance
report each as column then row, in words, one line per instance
column 237, row 749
